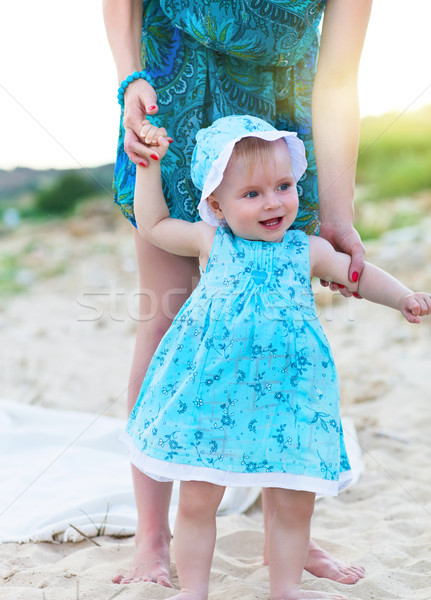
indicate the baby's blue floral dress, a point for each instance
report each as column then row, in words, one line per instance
column 243, row 390
column 208, row 59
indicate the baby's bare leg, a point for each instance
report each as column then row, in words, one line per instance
column 195, row 536
column 288, row 541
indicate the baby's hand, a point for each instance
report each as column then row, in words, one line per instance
column 415, row 305
column 155, row 139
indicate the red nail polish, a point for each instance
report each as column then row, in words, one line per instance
column 341, row 286
column 356, row 295
column 142, row 164
column 154, row 156
column 151, row 107
column 355, row 276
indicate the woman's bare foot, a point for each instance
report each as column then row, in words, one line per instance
column 151, row 563
column 321, row 564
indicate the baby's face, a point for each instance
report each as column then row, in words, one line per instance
column 258, row 201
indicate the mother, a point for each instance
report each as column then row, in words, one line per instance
column 204, row 59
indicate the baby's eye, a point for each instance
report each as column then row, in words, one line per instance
column 283, row 186
column 252, row 194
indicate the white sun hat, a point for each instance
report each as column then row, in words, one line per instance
column 214, row 146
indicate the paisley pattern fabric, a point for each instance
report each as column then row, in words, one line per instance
column 271, row 33
column 243, row 390
column 207, row 59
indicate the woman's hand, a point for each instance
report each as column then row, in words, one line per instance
column 140, row 100
column 344, row 238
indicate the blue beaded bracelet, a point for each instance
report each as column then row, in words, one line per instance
column 125, row 84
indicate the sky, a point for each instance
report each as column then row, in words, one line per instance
column 58, row 84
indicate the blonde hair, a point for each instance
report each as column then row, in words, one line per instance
column 253, row 150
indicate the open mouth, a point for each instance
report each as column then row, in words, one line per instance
column 272, row 223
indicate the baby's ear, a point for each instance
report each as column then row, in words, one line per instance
column 215, row 206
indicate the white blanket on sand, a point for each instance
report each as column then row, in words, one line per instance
column 64, row 474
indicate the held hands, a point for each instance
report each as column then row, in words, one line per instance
column 155, row 143
column 140, row 100
column 414, row 306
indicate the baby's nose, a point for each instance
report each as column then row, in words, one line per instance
column 271, row 201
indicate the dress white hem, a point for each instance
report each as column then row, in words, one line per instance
column 164, row 471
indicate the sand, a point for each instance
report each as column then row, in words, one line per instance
column 67, row 341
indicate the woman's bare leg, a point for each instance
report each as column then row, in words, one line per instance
column 319, row 562
column 165, row 281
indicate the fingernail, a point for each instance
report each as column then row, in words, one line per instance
column 355, row 276
column 340, row 285
column 154, row 156
column 152, row 107
column 142, row 164
column 170, row 140
column 356, row 295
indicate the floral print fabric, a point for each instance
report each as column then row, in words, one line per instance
column 209, row 59
column 243, row 390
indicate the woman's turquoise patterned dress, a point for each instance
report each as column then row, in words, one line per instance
column 211, row 58
column 242, row 390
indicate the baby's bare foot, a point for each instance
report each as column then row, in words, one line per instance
column 151, row 563
column 321, row 564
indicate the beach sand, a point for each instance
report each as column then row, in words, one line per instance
column 67, row 342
